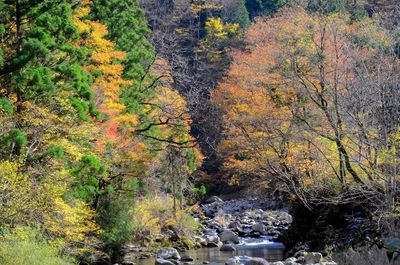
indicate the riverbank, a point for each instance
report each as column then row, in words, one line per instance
column 233, row 232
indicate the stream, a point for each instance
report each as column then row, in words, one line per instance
column 235, row 232
column 248, row 247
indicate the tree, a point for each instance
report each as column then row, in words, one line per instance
column 180, row 36
column 233, row 12
column 297, row 107
column 354, row 7
column 37, row 53
column 263, row 7
column 128, row 28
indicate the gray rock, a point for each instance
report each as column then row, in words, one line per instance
column 210, row 232
column 257, row 261
column 312, row 258
column 259, row 227
column 186, row 258
column 233, row 261
column 214, row 245
column 212, row 239
column 228, row 235
column 128, row 259
column 163, row 262
column 290, row 261
column 227, row 247
column 200, row 240
column 277, row 263
column 99, row 258
column 213, row 199
column 168, row 253
column 236, row 226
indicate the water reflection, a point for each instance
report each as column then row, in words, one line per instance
column 261, row 247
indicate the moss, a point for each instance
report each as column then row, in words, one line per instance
column 186, row 242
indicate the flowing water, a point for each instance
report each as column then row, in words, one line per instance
column 248, row 247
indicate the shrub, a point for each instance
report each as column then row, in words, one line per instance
column 23, row 247
column 155, row 214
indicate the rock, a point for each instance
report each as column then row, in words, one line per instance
column 227, row 247
column 228, row 235
column 212, row 239
column 164, row 262
column 214, row 245
column 157, row 237
column 99, row 258
column 209, row 232
column 186, row 258
column 168, row 253
column 213, row 199
column 300, row 253
column 144, row 256
column 277, row 263
column 259, row 227
column 128, row 259
column 236, row 226
column 201, row 241
column 257, row 261
column 233, row 261
column 290, row 261
column 312, row 258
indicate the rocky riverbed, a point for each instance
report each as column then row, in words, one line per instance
column 236, row 232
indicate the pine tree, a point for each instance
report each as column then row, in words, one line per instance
column 38, row 58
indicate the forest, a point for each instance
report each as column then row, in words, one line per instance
column 141, row 132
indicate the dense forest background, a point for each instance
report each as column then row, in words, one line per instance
column 118, row 115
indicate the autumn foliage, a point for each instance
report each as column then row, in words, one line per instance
column 302, row 108
column 85, row 127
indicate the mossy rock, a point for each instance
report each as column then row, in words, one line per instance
column 186, row 242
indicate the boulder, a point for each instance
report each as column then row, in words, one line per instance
column 259, row 227
column 233, row 261
column 212, row 239
column 236, row 226
column 200, row 240
column 164, row 262
column 257, row 261
column 128, row 259
column 157, row 237
column 209, row 232
column 291, row 261
column 99, row 258
column 227, row 247
column 213, row 199
column 214, row 245
column 186, row 258
column 228, row 235
column 168, row 253
column 312, row 258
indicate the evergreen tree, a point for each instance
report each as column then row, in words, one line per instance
column 38, row 58
column 235, row 12
column 263, row 7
